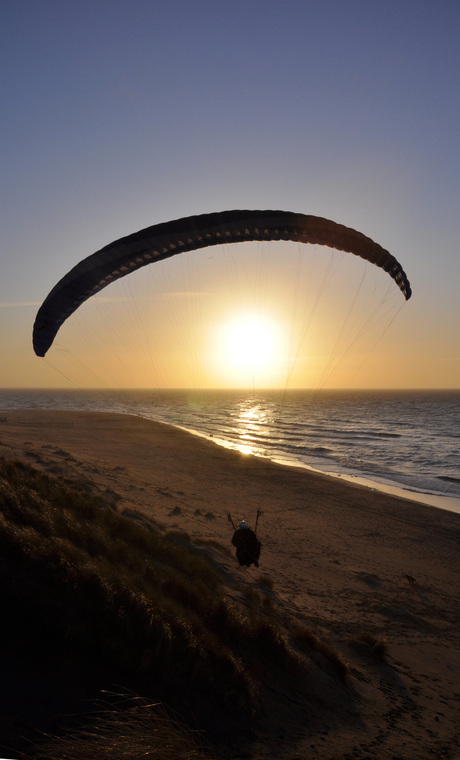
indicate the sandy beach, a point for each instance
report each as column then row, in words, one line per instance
column 344, row 559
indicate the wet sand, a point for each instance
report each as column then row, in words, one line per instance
column 344, row 559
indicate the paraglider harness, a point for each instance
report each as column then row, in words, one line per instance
column 247, row 544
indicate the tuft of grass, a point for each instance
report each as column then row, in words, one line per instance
column 257, row 603
column 373, row 644
column 133, row 727
column 308, row 641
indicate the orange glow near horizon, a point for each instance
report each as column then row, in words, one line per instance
column 260, row 316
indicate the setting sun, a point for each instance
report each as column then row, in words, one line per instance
column 247, row 347
column 249, row 343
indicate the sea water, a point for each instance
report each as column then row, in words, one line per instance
column 399, row 441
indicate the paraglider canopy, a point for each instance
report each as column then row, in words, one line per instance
column 162, row 241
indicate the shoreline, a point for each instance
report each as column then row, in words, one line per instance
column 391, row 471
column 448, row 503
column 341, row 560
column 439, row 501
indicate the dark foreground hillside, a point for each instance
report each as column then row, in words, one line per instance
column 105, row 614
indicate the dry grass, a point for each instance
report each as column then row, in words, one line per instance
column 371, row 644
column 79, row 574
column 308, row 641
column 132, row 728
column 101, row 595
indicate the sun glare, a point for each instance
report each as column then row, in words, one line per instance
column 248, row 347
column 249, row 343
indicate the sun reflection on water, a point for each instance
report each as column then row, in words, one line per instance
column 250, row 427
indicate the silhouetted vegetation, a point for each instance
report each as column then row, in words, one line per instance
column 132, row 727
column 108, row 599
column 373, row 645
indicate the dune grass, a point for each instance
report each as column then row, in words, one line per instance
column 90, row 582
column 131, row 728
column 373, row 645
column 101, row 595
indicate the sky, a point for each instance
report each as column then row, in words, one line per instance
column 118, row 115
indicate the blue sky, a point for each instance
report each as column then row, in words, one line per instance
column 118, row 115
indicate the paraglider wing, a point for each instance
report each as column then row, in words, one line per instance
column 170, row 238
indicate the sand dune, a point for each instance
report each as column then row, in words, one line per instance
column 346, row 560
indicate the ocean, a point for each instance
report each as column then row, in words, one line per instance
column 406, row 442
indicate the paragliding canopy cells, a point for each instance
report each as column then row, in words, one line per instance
column 162, row 241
